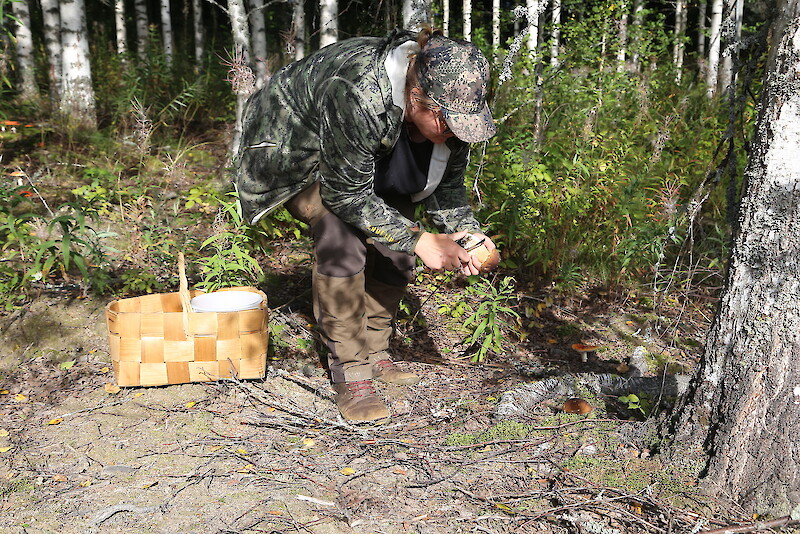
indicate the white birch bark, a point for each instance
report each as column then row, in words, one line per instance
column 622, row 50
column 142, row 32
column 731, row 37
column 467, row 20
column 416, row 13
column 241, row 61
column 533, row 26
column 742, row 412
column 702, row 24
column 258, row 41
column 299, row 29
column 446, row 17
column 51, row 20
column 496, row 44
column 636, row 30
column 555, row 44
column 199, row 34
column 23, row 41
column 167, row 35
column 714, row 41
column 328, row 22
column 119, row 26
column 77, row 94
column 678, row 45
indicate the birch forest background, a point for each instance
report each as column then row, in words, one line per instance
column 612, row 189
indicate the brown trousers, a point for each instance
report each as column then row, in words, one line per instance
column 357, row 285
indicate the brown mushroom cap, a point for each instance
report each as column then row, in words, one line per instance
column 489, row 258
column 580, row 347
column 577, row 406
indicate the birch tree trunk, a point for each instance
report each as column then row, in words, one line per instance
column 622, row 50
column 731, row 37
column 496, row 44
column 555, row 44
column 416, row 13
column 299, row 30
column 241, row 74
column 119, row 24
column 258, row 40
column 702, row 22
column 167, row 34
column 468, row 20
column 636, row 26
column 714, row 41
column 199, row 35
column 742, row 410
column 328, row 22
column 52, row 42
column 533, row 27
column 23, row 41
column 77, row 94
column 678, row 45
column 142, row 32
column 446, row 17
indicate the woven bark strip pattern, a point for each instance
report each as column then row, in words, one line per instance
column 150, row 345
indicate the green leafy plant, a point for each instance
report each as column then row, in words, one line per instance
column 489, row 318
column 231, row 262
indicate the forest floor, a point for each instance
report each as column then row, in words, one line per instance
column 79, row 455
column 273, row 455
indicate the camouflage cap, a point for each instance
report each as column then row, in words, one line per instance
column 455, row 75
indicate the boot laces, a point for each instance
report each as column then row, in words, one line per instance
column 385, row 365
column 361, row 388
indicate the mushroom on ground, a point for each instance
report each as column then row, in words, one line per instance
column 577, row 406
column 489, row 258
column 585, row 350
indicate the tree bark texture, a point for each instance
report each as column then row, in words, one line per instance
column 119, row 27
column 328, row 22
column 142, row 32
column 77, row 94
column 714, row 41
column 299, row 30
column 258, row 40
column 52, row 42
column 167, row 35
column 23, row 39
column 467, row 20
column 199, row 34
column 743, row 405
column 555, row 44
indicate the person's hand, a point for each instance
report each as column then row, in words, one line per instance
column 440, row 252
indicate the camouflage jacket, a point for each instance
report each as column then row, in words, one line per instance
column 330, row 117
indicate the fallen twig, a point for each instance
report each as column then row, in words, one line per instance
column 755, row 527
column 111, row 510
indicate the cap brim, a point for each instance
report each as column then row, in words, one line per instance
column 471, row 127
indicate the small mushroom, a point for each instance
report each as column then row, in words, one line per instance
column 585, row 350
column 577, row 406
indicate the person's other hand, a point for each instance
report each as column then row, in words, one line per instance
column 440, row 252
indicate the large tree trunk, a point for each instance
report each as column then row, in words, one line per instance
column 714, row 42
column 258, row 40
column 77, row 94
column 742, row 411
column 23, row 39
column 534, row 8
column 241, row 76
column 446, row 17
column 52, row 43
column 328, row 22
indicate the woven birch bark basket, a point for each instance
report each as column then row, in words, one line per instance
column 157, row 340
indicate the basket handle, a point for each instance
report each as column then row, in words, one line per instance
column 184, row 292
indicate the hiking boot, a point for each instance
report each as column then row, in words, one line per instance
column 386, row 371
column 357, row 401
